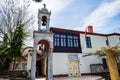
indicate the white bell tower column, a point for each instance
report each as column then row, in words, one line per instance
column 43, row 35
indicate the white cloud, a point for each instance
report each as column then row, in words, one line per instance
column 55, row 6
column 101, row 15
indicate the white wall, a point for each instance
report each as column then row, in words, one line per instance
column 60, row 63
column 85, row 62
column 96, row 41
column 29, row 59
column 113, row 40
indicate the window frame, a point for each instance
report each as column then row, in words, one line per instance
column 88, row 42
column 74, row 40
column 56, row 40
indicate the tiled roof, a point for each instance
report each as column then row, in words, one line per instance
column 81, row 32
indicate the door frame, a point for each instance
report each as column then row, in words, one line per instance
column 79, row 74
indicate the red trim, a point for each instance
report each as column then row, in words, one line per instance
column 61, row 75
column 118, row 34
column 85, row 74
column 81, row 32
column 82, row 74
column 65, row 30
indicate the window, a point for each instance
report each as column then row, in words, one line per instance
column 88, row 42
column 107, row 43
column 56, row 40
column 63, row 40
column 75, row 39
column 104, row 63
column 69, row 41
column 66, row 40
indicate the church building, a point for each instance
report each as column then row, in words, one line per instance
column 60, row 52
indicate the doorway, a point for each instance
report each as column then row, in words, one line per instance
column 74, row 69
column 41, row 68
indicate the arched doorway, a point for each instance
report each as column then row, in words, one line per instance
column 42, row 58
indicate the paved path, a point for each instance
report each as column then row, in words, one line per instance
column 76, row 78
column 79, row 78
column 40, row 79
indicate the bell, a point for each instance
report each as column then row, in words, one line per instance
column 44, row 20
column 43, row 24
column 37, row 0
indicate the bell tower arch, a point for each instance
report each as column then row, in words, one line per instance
column 43, row 19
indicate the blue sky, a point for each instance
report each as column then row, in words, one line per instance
column 103, row 15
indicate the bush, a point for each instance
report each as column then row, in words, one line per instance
column 24, row 74
column 4, row 66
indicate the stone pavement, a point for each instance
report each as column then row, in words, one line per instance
column 69, row 78
column 40, row 79
column 76, row 78
column 80, row 78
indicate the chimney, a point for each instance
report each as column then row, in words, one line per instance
column 90, row 29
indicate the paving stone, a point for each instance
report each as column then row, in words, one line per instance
column 76, row 78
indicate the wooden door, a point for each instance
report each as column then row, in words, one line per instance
column 74, row 71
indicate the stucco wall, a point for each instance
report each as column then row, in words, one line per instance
column 114, row 40
column 96, row 41
column 85, row 62
column 60, row 63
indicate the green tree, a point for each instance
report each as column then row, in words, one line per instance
column 17, row 43
column 14, row 26
column 4, row 58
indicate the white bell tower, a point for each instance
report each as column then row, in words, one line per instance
column 43, row 45
column 43, row 19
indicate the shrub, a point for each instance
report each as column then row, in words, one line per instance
column 24, row 74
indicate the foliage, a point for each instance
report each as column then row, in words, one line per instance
column 14, row 22
column 25, row 74
column 102, row 51
column 111, row 52
column 5, row 60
